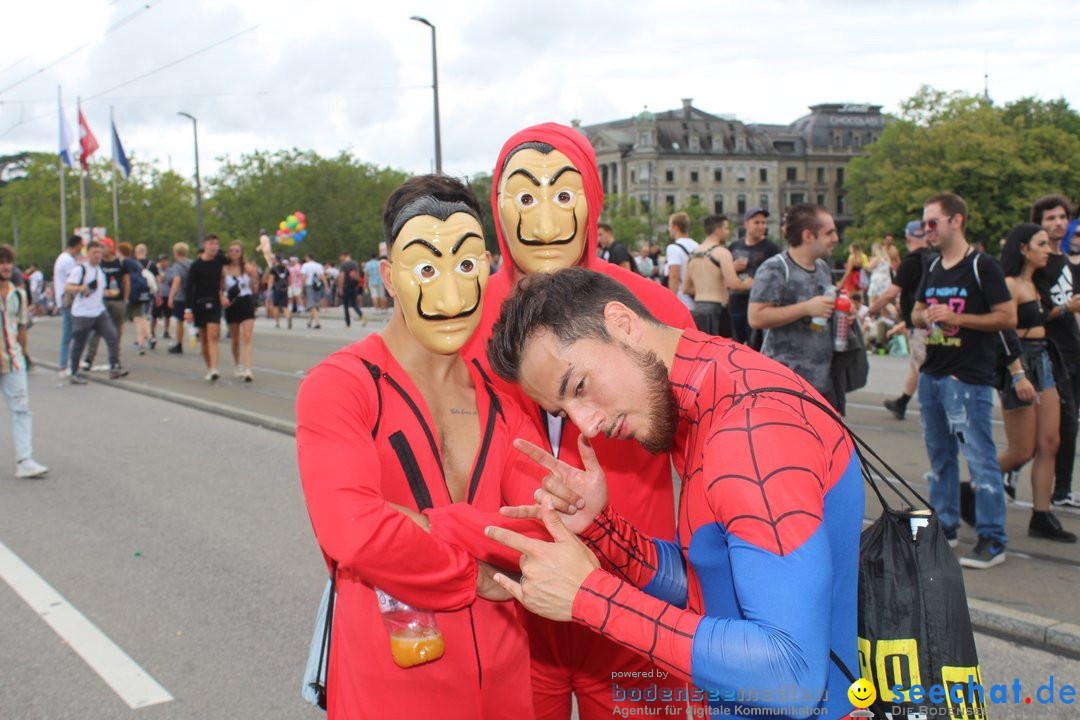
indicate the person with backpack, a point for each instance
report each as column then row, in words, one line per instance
column 963, row 302
column 678, row 255
column 314, row 288
column 350, row 285
column 398, row 424
column 139, row 294
column 761, row 589
column 117, row 289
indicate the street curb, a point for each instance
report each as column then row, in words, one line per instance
column 1016, row 625
column 1041, row 632
column 233, row 413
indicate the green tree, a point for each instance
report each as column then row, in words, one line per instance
column 628, row 220
column 991, row 156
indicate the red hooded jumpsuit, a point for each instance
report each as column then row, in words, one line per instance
column 568, row 658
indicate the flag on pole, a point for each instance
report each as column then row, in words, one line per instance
column 65, row 137
column 87, row 141
column 119, row 158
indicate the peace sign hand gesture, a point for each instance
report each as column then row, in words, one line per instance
column 577, row 496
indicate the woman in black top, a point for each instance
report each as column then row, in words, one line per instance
column 1029, row 398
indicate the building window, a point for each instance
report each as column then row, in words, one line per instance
column 821, row 175
column 633, row 175
column 643, row 138
column 669, row 176
column 763, row 202
column 670, row 200
column 718, row 175
column 797, row 199
column 694, row 176
column 718, row 204
column 837, row 140
column 792, row 174
column 839, row 176
column 741, row 205
column 763, row 174
column 740, row 144
column 840, row 203
column 856, row 140
column 695, row 144
column 821, row 199
column 644, row 199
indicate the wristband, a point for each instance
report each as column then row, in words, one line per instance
column 1017, row 377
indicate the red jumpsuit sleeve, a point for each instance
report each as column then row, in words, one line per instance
column 355, row 526
column 463, row 525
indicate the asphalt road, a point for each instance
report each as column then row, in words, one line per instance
column 183, row 537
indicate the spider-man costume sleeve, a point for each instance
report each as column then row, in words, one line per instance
column 761, row 581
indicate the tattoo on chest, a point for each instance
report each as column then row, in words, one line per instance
column 462, row 411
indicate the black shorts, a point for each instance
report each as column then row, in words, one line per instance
column 206, row 312
column 281, row 298
column 162, row 311
column 241, row 309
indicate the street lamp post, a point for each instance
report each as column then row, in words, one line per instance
column 198, row 180
column 435, row 89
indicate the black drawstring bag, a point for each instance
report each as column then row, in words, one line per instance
column 914, row 627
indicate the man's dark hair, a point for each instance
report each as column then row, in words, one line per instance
column 7, row 254
column 712, row 222
column 605, row 226
column 210, row 237
column 569, row 303
column 437, row 195
column 74, row 240
column 541, row 147
column 951, row 203
column 805, row 216
column 94, row 244
column 1049, row 202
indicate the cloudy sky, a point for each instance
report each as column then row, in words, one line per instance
column 331, row 75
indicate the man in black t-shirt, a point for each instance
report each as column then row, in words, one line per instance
column 964, row 302
column 748, row 253
column 1057, row 287
column 203, row 293
column 612, row 250
column 348, row 283
column 905, row 285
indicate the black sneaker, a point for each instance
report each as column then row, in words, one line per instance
column 86, row 364
column 898, row 411
column 967, row 503
column 176, row 349
column 1044, row 525
column 1069, row 499
column 987, row 554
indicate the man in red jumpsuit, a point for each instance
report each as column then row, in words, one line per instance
column 399, row 423
column 547, row 199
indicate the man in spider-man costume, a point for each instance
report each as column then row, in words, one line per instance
column 547, row 199
column 760, row 587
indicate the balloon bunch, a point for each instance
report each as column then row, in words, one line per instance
column 292, row 229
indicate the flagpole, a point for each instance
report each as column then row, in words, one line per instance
column 60, row 172
column 115, row 204
column 82, row 179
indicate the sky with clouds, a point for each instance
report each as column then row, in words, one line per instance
column 331, row 75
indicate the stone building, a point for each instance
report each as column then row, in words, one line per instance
column 667, row 159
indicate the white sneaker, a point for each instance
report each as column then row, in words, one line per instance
column 238, row 372
column 248, row 377
column 212, row 376
column 65, row 373
column 104, row 367
column 29, row 468
column 1070, row 500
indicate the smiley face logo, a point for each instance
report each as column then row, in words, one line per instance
column 861, row 693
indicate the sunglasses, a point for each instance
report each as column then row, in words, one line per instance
column 932, row 223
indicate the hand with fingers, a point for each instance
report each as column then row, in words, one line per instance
column 577, row 496
column 551, row 572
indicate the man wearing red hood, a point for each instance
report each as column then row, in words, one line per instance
column 547, row 197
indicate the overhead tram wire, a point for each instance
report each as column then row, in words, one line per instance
column 118, row 24
column 140, row 77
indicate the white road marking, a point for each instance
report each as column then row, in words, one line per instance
column 133, row 684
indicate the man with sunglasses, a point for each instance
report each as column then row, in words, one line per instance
column 964, row 302
column 1057, row 284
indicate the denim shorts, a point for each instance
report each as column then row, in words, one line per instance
column 1036, row 363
